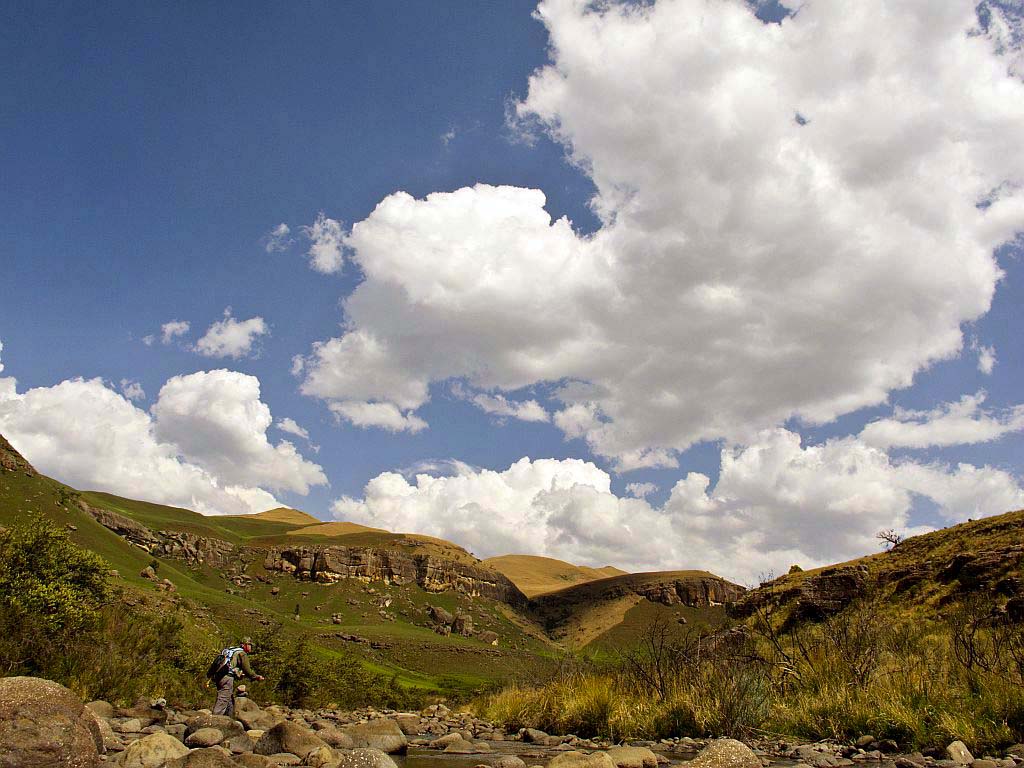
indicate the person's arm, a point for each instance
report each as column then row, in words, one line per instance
column 243, row 662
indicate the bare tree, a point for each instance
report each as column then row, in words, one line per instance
column 889, row 538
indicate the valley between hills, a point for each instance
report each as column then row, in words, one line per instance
column 536, row 642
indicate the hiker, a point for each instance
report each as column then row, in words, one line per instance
column 229, row 665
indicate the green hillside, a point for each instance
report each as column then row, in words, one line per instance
column 246, row 599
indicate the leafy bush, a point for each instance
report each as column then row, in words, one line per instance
column 303, row 676
column 60, row 619
column 49, row 582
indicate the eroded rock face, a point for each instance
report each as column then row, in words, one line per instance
column 44, row 725
column 193, row 549
column 434, row 574
column 692, row 592
column 831, row 590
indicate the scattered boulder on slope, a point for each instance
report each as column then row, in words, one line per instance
column 44, row 725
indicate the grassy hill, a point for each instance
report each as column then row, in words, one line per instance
column 393, row 630
column 925, row 575
column 611, row 611
column 536, row 575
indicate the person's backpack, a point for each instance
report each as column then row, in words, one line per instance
column 222, row 664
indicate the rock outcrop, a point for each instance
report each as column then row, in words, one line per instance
column 194, row 550
column 831, row 590
column 692, row 592
column 12, row 461
column 434, row 574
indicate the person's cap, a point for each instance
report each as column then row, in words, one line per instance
column 246, row 641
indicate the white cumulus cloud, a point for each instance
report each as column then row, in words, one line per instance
column 384, row 415
column 776, row 502
column 289, row 425
column 171, row 330
column 961, row 423
column 750, row 267
column 500, row 406
column 325, row 253
column 230, row 337
column 217, row 420
column 207, row 452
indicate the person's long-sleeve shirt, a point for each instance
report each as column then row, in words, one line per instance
column 240, row 666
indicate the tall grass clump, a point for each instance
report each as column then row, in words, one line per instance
column 920, row 680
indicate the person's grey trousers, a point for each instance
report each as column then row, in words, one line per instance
column 225, row 702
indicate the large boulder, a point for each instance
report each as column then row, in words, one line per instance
column 443, row 741
column 335, row 738
column 206, row 737
column 633, row 757
column 211, row 757
column 152, row 751
column 726, row 753
column 228, row 726
column 254, row 718
column 288, row 737
column 464, row 747
column 364, row 758
column 320, row 757
column 44, row 725
column 382, row 734
column 582, row 760
column 959, row 753
column 508, row 761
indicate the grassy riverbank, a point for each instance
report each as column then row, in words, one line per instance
column 920, row 683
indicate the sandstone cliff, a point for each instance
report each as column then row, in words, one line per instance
column 432, row 573
column 319, row 563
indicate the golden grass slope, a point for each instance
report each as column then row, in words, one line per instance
column 283, row 515
column 341, row 528
column 536, row 575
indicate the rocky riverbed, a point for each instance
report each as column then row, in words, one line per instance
column 44, row 725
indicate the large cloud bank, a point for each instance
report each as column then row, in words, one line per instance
column 203, row 446
column 776, row 503
column 797, row 217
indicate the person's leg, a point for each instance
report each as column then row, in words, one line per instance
column 225, row 703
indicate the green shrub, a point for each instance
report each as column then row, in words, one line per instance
column 47, row 581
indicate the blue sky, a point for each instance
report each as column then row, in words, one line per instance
column 147, row 153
